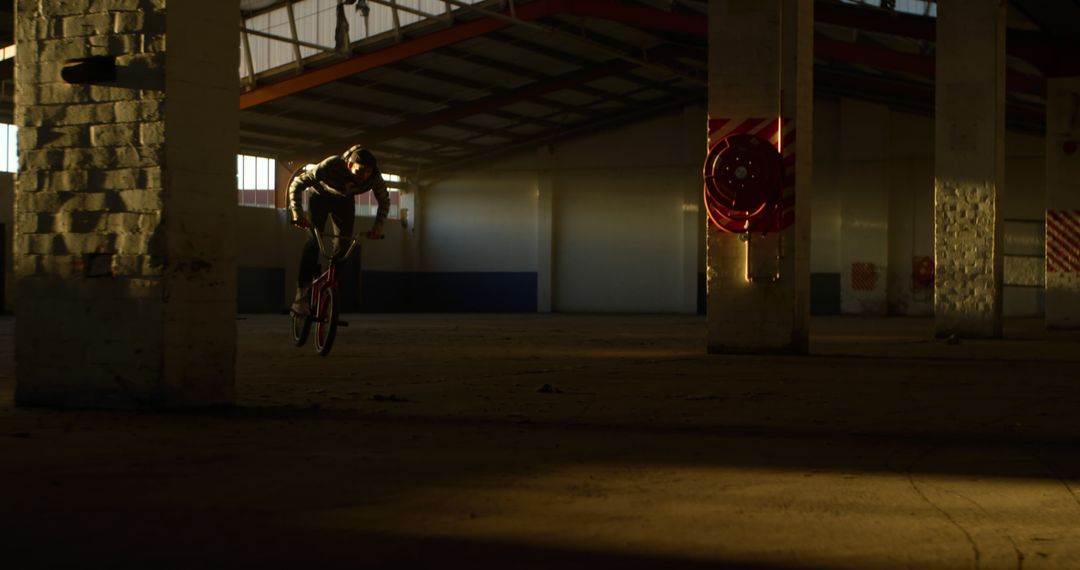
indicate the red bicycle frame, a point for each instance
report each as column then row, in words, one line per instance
column 324, row 282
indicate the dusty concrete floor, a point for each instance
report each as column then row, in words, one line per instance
column 425, row 441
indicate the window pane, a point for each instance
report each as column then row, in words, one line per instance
column 249, row 173
column 262, row 173
column 13, row 147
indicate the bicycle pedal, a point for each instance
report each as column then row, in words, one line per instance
column 341, row 323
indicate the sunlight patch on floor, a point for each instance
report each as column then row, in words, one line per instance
column 834, row 519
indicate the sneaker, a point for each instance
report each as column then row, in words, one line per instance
column 302, row 304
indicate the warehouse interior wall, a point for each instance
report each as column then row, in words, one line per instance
column 625, row 224
column 476, row 246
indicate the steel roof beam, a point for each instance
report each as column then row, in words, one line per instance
column 486, row 88
column 1050, row 58
column 614, row 10
column 913, row 64
column 494, row 101
column 607, row 120
column 584, row 89
column 913, row 96
column 403, row 50
column 392, row 112
column 585, row 109
column 416, row 94
column 422, row 96
column 288, row 40
column 508, row 97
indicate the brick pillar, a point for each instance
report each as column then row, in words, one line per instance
column 1063, row 203
column 760, row 66
column 125, row 198
column 969, row 168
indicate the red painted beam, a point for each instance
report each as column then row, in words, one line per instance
column 913, row 64
column 861, row 18
column 861, row 54
column 914, row 96
column 1029, row 46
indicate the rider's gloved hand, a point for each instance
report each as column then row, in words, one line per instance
column 298, row 220
column 375, row 233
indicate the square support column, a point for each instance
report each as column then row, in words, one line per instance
column 545, row 231
column 761, row 73
column 1063, row 203
column 969, row 168
column 125, row 203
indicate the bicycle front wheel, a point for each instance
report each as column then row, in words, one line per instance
column 326, row 324
column 301, row 326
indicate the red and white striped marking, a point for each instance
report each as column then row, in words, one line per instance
column 784, row 139
column 1063, row 241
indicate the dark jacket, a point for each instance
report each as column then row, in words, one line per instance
column 332, row 177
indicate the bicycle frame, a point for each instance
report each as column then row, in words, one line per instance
column 324, row 299
column 327, row 279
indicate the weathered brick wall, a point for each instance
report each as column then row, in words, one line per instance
column 123, row 270
column 967, row 286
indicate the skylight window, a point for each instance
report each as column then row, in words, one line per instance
column 917, row 7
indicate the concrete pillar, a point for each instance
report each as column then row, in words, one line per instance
column 760, row 66
column 969, row 168
column 545, row 231
column 125, row 201
column 692, row 214
column 1063, row 203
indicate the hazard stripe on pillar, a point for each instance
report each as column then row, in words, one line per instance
column 1063, row 241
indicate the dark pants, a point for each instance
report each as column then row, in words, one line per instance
column 342, row 212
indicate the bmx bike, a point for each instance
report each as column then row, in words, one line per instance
column 324, row 302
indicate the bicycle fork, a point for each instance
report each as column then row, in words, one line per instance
column 322, row 283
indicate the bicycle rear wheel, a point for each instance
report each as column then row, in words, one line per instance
column 327, row 323
column 301, row 326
